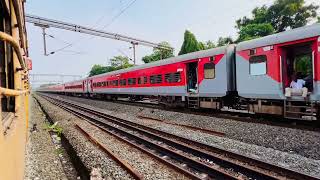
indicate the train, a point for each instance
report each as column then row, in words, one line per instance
column 251, row 76
column 14, row 89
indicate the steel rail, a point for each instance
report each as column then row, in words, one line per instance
column 194, row 164
column 250, row 161
column 123, row 164
column 149, row 152
column 237, row 116
column 279, row 170
column 251, row 172
column 208, row 131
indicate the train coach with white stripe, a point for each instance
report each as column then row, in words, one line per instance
column 251, row 75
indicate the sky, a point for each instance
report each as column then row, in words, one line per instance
column 151, row 20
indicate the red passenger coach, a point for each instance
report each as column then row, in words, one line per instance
column 265, row 67
column 75, row 87
column 200, row 76
column 252, row 75
column 59, row 88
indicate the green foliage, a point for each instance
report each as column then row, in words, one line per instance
column 253, row 31
column 318, row 19
column 303, row 64
column 99, row 69
column 159, row 54
column 54, row 128
column 285, row 14
column 120, row 62
column 222, row 41
column 207, row 45
column 117, row 62
column 190, row 44
column 282, row 15
column 59, row 151
column 259, row 15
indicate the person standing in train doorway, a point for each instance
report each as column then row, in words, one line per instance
column 296, row 87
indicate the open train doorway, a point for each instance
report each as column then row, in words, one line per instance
column 192, row 78
column 298, row 80
column 297, row 69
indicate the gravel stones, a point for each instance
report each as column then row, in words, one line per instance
column 291, row 148
column 100, row 165
column 89, row 154
column 42, row 160
column 144, row 164
column 295, row 141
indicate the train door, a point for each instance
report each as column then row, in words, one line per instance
column 192, row 78
column 90, row 86
column 84, row 84
column 297, row 62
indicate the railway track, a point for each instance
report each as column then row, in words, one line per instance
column 237, row 116
column 194, row 159
column 135, row 174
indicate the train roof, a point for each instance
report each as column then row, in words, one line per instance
column 181, row 58
column 286, row 36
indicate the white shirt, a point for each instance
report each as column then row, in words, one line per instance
column 297, row 85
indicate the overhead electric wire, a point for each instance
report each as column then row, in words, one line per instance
column 124, row 54
column 103, row 27
column 119, row 14
column 96, row 24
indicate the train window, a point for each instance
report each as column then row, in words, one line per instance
column 258, row 65
column 142, row 80
column 152, row 79
column 172, row 77
column 115, row 82
column 156, row 79
column 167, row 77
column 209, row 71
column 131, row 81
column 74, row 86
column 123, row 82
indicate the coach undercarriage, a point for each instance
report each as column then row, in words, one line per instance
column 289, row 109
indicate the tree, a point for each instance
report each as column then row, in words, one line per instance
column 253, row 31
column 319, row 19
column 259, row 15
column 116, row 63
column 190, row 43
column 207, row 45
column 99, row 69
column 282, row 15
column 159, row 54
column 120, row 62
column 303, row 64
column 222, row 41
